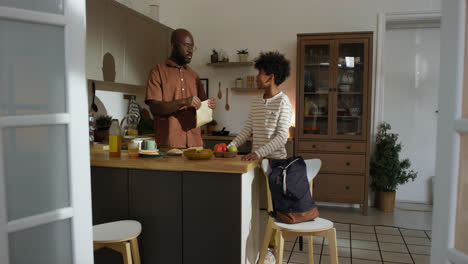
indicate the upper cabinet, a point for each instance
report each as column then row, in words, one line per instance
column 334, row 86
column 122, row 44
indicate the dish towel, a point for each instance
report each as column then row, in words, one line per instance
column 133, row 111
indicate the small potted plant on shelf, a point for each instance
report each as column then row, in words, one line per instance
column 214, row 56
column 103, row 123
column 243, row 55
column 211, row 126
column 387, row 170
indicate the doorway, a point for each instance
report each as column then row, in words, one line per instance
column 410, row 102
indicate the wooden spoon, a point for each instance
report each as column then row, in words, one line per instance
column 220, row 94
column 227, row 96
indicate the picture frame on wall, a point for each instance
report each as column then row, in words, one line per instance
column 205, row 85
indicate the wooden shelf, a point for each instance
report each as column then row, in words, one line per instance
column 311, row 116
column 348, row 116
column 231, row 64
column 118, row 87
column 312, row 93
column 246, row 89
column 323, row 64
column 349, row 93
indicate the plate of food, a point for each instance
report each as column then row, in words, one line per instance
column 174, row 152
column 151, row 153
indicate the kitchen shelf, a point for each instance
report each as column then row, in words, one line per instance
column 349, row 93
column 323, row 64
column 246, row 89
column 231, row 64
column 118, row 87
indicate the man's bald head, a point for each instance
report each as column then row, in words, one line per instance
column 179, row 34
column 182, row 46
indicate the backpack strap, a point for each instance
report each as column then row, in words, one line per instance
column 284, row 174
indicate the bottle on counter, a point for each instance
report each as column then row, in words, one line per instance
column 115, row 139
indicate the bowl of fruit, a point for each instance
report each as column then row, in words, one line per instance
column 194, row 154
column 222, row 151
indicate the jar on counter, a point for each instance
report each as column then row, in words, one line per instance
column 115, row 139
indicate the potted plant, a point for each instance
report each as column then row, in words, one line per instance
column 386, row 168
column 103, row 123
column 211, row 126
column 243, row 55
column 214, row 56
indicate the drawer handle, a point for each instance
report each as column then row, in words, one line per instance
column 348, row 147
column 313, row 146
column 348, row 163
column 347, row 187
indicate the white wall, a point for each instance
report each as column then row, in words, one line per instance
column 264, row 25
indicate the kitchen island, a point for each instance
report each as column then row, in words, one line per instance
column 191, row 211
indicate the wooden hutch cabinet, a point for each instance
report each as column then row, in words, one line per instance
column 333, row 110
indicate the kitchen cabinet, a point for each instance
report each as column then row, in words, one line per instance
column 133, row 43
column 333, row 112
column 155, row 199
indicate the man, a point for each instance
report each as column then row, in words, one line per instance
column 173, row 93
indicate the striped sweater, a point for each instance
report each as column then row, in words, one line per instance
column 268, row 124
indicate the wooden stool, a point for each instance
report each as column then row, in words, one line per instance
column 120, row 236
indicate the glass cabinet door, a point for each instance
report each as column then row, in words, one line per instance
column 350, row 89
column 316, row 88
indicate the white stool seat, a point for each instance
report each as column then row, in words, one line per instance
column 317, row 225
column 116, row 231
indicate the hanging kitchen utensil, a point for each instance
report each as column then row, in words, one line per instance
column 220, row 94
column 93, row 105
column 227, row 96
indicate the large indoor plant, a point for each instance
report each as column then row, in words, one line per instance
column 386, row 168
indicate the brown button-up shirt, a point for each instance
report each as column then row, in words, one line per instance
column 168, row 82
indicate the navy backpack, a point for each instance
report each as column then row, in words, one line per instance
column 290, row 191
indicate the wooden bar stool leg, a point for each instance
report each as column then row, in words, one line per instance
column 126, row 253
column 266, row 240
column 280, row 247
column 135, row 251
column 332, row 245
column 310, row 245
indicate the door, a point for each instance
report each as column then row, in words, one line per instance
column 45, row 205
column 450, row 218
column 411, row 69
column 315, row 89
column 350, row 89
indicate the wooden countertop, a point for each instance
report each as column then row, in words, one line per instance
column 229, row 138
column 101, row 158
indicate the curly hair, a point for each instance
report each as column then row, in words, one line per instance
column 273, row 62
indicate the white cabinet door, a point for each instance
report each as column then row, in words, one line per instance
column 45, row 194
column 138, row 49
column 94, row 10
column 114, row 27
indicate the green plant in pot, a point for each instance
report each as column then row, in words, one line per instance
column 386, row 168
column 211, row 126
column 103, row 123
column 243, row 55
column 214, row 56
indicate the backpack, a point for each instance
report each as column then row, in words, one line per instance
column 290, row 192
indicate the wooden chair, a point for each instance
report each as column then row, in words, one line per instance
column 120, row 236
column 319, row 227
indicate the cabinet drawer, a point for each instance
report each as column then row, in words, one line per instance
column 338, row 188
column 332, row 146
column 339, row 163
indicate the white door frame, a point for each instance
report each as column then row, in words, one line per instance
column 394, row 20
column 450, row 126
column 76, row 118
